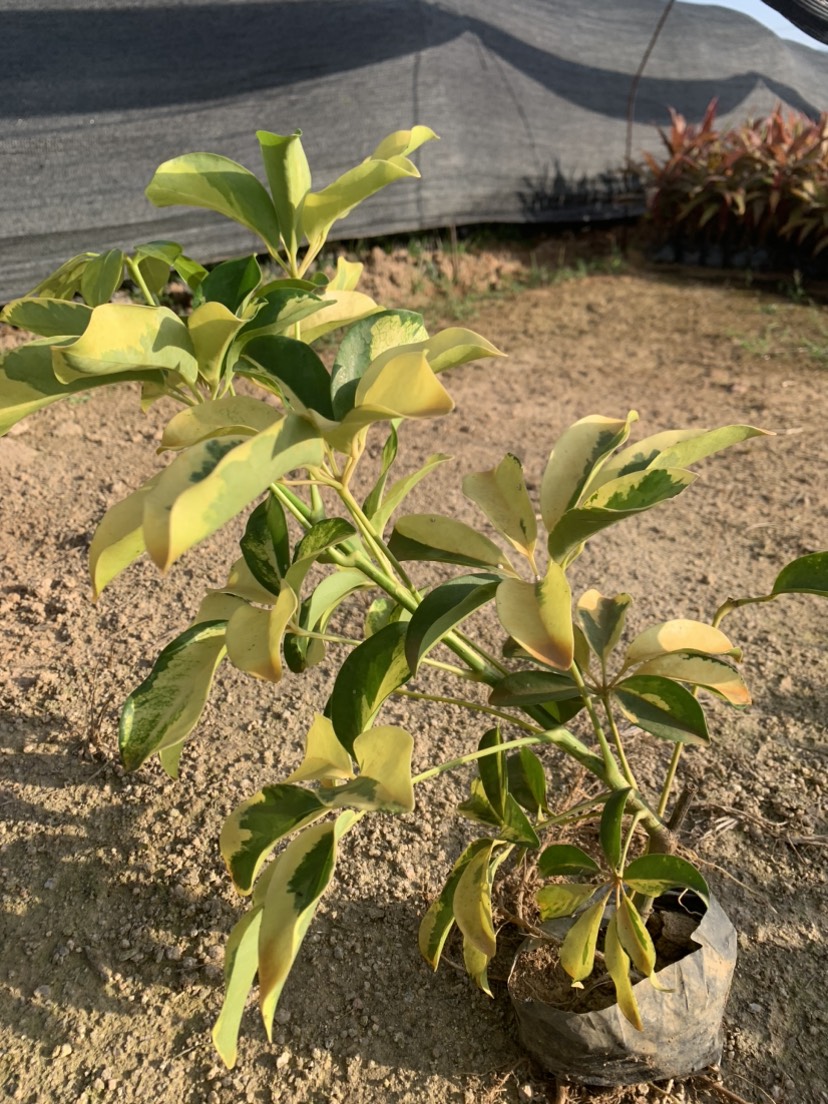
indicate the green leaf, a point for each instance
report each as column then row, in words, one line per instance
column 562, row 900
column 266, row 544
column 579, row 453
column 232, row 282
column 634, row 937
column 807, row 575
column 527, row 781
column 438, row 921
column 616, row 500
column 207, row 485
column 47, row 317
column 362, row 344
column 539, row 616
column 389, row 454
column 319, row 538
column 711, row 674
column 502, row 496
column 578, row 948
column 618, row 967
column 276, row 311
column 679, row 635
column 653, row 875
column 492, row 771
column 302, row 874
column 102, row 277
column 241, row 961
column 299, row 374
column 166, row 707
column 535, row 688
column 255, row 827
column 400, row 490
column 124, row 337
column 445, row 607
column 371, row 672
column 289, row 176
column 565, row 859
column 602, row 620
column 511, row 825
column 663, row 708
column 443, row 540
column 64, row 281
column 612, row 823
column 218, row 184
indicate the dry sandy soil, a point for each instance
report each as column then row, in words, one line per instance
column 114, row 905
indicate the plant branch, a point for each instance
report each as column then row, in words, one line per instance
column 474, row 707
column 472, row 756
column 137, row 276
column 616, row 738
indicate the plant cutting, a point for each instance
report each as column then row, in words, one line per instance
column 326, row 525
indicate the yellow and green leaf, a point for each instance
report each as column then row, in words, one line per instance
column 502, row 496
column 578, row 949
column 539, row 616
column 678, row 635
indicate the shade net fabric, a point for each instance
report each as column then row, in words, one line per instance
column 529, row 97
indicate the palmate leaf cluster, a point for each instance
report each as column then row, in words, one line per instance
column 283, row 450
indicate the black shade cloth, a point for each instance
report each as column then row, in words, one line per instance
column 529, row 97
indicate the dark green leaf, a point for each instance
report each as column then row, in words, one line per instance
column 534, row 688
column 663, row 708
column 602, row 620
column 266, row 544
column 370, row 673
column 655, row 874
column 492, row 771
column 807, row 575
column 443, row 609
column 102, row 277
column 612, row 822
column 565, row 858
column 300, row 375
column 48, row 317
column 389, row 454
column 232, row 282
column 363, row 342
column 527, row 781
column 512, row 825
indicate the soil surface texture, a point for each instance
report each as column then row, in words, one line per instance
column 114, row 904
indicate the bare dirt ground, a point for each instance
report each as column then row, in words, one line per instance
column 114, row 905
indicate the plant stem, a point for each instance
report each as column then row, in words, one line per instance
column 472, row 756
column 668, row 781
column 606, row 752
column 571, row 814
column 616, row 738
column 375, row 541
column 140, row 282
column 734, row 603
column 475, row 707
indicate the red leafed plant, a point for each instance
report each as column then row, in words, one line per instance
column 762, row 184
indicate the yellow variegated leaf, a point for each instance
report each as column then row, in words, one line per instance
column 242, row 581
column 241, row 961
column 679, row 635
column 447, row 349
column 539, row 616
column 254, row 636
column 403, row 142
column 384, row 755
column 325, row 758
column 211, row 482
column 125, row 337
column 322, row 209
column 502, row 496
column 212, row 328
column 119, row 538
column 618, row 967
column 477, row 965
column 342, row 307
column 473, row 903
column 217, row 605
column 302, row 874
column 578, row 948
column 634, row 937
column 712, row 674
column 562, row 899
column 579, row 452
column 231, row 416
column 346, row 276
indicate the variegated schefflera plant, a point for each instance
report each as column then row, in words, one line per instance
column 291, row 458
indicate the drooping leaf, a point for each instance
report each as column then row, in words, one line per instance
column 212, row 328
column 242, row 581
column 527, row 781
column 124, row 337
column 679, row 635
column 289, row 176
column 278, row 309
column 213, row 481
column 362, row 344
column 325, row 758
column 535, row 688
column 502, row 496
column 166, row 707
column 314, row 544
column 371, row 672
column 119, row 539
column 445, row 607
column 579, row 452
column 256, row 825
column 47, row 317
column 634, row 937
column 266, row 544
column 618, row 499
column 539, row 616
column 807, row 575
column 492, row 771
column 241, row 962
column 217, row 184
column 617, row 963
column 472, row 902
column 389, row 454
column 303, row 873
column 511, row 825
column 230, row 416
column 102, row 277
column 254, row 636
column 444, row 540
column 438, row 921
column 577, row 953
column 663, row 708
column 330, row 592
column 563, row 899
column 612, row 822
column 711, row 674
column 565, row 859
column 602, row 620
column 653, row 875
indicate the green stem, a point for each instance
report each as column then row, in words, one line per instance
column 616, row 739
column 475, row 707
column 140, row 282
column 735, row 603
column 668, row 781
column 606, row 752
column 472, row 756
column 575, row 813
column 380, row 548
